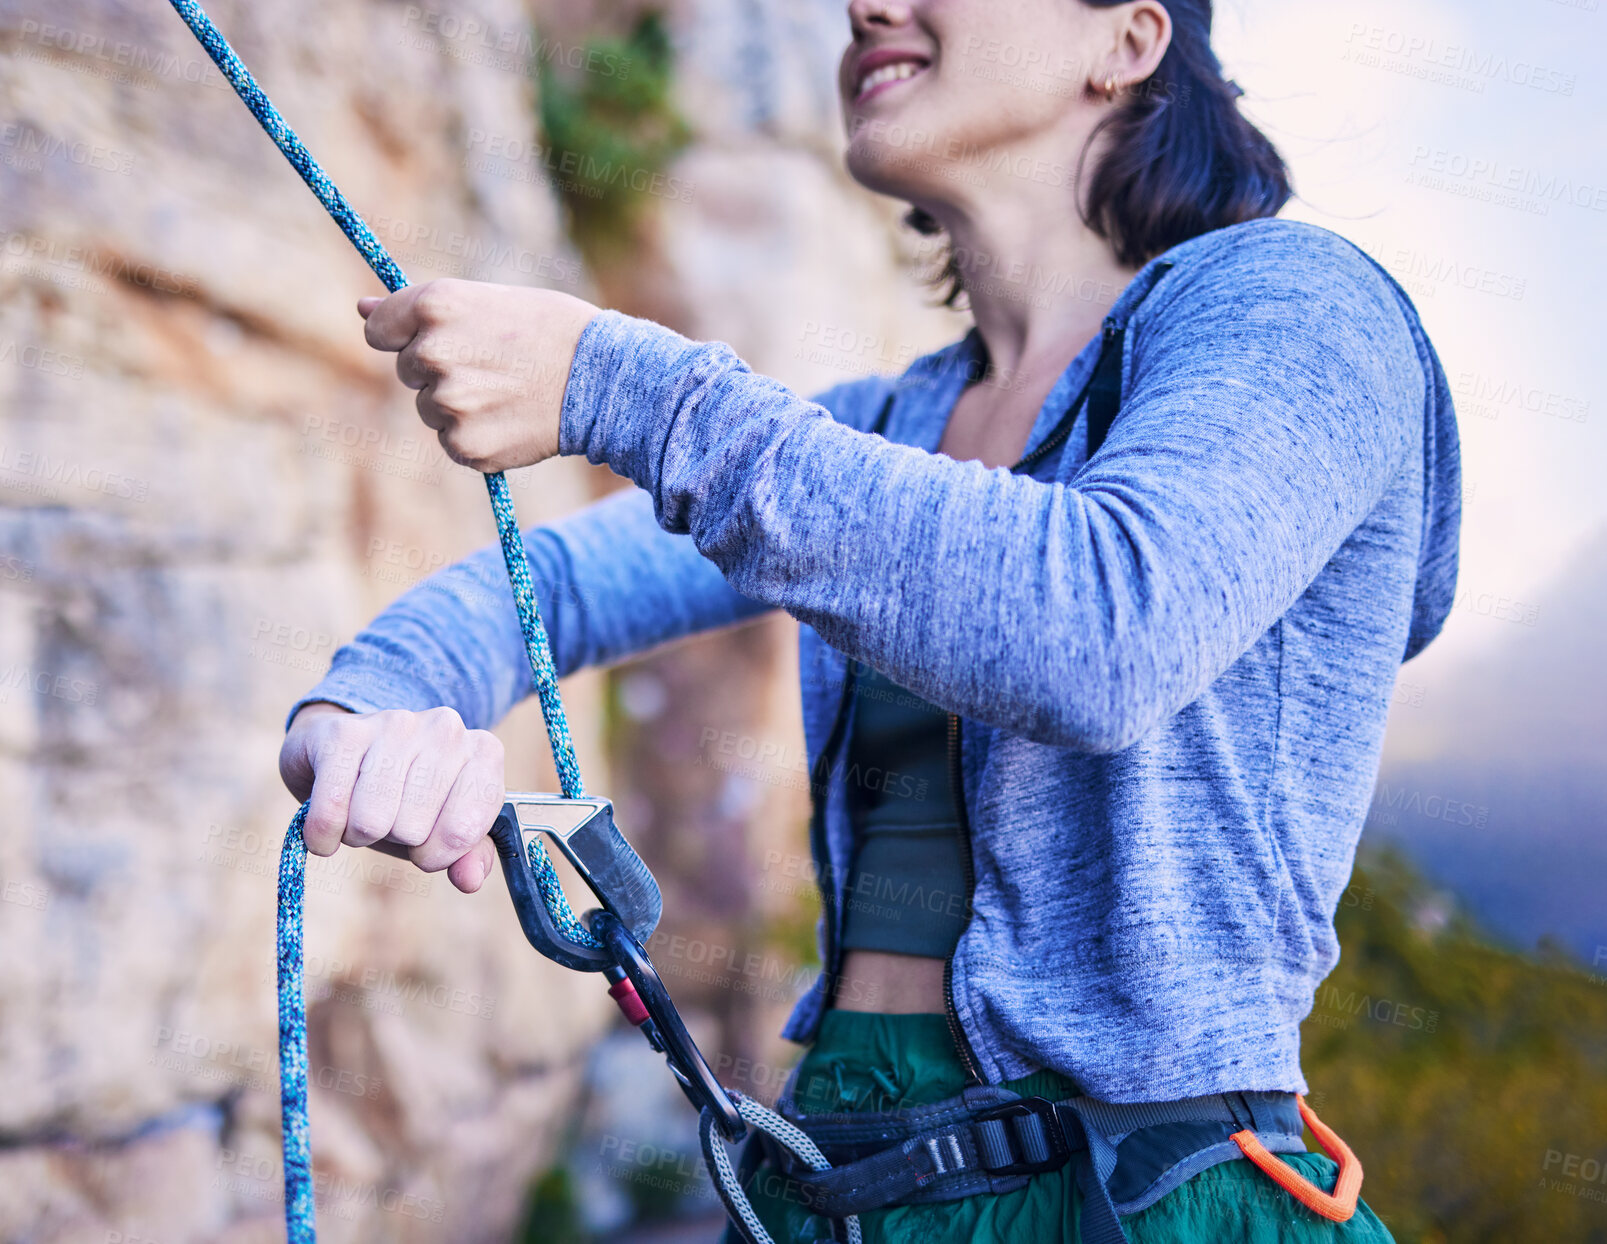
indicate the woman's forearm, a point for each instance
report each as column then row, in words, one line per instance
column 609, row 581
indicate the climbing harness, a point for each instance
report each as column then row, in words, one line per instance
column 986, row 1140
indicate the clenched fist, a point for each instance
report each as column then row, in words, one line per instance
column 490, row 364
column 422, row 780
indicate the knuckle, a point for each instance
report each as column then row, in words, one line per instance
column 428, row 354
column 323, row 826
column 457, row 835
column 411, row 831
column 444, row 718
column 434, row 303
column 452, row 443
column 365, row 827
column 396, row 723
column 333, row 736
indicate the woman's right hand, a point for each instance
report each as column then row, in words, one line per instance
column 424, row 780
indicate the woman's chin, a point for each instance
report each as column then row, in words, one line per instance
column 892, row 171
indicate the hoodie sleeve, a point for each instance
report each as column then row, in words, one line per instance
column 610, row 583
column 1273, row 392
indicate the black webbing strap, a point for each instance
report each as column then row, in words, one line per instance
column 989, row 1140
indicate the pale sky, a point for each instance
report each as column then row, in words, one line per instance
column 1464, row 146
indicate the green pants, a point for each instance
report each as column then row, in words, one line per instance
column 863, row 1061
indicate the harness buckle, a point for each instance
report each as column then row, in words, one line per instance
column 1023, row 1137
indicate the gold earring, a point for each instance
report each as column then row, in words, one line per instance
column 1110, row 86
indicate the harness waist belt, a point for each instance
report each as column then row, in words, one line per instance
column 990, row 1140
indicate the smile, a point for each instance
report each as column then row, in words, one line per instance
column 883, row 77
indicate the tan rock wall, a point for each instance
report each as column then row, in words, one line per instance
column 207, row 483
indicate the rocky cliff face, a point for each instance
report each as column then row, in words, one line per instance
column 207, row 483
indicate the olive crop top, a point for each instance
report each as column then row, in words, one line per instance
column 906, row 887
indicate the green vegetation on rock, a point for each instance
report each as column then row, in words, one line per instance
column 612, row 131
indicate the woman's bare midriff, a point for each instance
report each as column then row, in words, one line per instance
column 874, row 980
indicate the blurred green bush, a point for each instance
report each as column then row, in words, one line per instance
column 1471, row 1080
column 612, row 128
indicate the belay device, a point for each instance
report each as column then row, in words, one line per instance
column 609, row 938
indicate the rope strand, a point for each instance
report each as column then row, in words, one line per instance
column 299, row 1207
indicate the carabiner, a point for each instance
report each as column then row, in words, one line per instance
column 664, row 1028
column 584, row 831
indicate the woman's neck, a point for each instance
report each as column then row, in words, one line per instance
column 1039, row 280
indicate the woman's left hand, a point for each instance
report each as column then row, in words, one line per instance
column 490, row 363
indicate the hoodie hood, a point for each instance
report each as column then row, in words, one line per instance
column 1442, row 492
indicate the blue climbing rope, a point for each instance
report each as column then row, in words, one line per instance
column 299, row 1209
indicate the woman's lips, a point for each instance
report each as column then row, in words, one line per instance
column 883, row 76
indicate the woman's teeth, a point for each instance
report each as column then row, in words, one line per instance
column 888, row 73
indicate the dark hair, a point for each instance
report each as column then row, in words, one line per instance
column 1181, row 159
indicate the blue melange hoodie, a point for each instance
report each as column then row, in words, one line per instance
column 1173, row 661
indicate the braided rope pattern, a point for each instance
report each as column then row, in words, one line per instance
column 539, row 649
column 233, row 68
column 755, row 1114
column 299, row 1218
column 299, row 1210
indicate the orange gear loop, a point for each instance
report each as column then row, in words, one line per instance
column 1338, row 1205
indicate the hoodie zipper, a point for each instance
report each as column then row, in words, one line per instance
column 1052, row 442
column 1062, row 430
column 962, row 1043
column 820, row 779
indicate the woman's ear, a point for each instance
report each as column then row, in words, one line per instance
column 1143, row 33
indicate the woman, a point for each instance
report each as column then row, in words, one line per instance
column 1151, row 654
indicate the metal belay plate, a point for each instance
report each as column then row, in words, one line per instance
column 584, row 832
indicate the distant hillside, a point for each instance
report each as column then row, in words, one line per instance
column 1510, row 809
column 1470, row 1081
